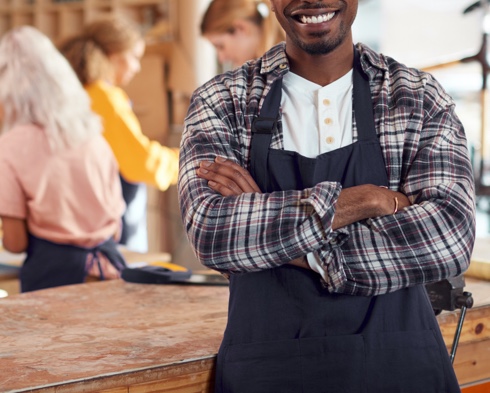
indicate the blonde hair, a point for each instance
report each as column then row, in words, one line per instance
column 88, row 52
column 38, row 86
column 221, row 15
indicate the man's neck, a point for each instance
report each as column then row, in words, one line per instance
column 321, row 69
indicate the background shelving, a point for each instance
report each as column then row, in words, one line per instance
column 61, row 18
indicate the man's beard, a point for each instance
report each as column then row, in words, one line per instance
column 321, row 47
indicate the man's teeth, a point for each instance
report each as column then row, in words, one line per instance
column 317, row 19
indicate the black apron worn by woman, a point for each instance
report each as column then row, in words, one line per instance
column 51, row 264
column 286, row 333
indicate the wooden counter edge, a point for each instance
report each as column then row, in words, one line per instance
column 160, row 377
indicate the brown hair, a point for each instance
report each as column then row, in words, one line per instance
column 88, row 52
column 221, row 15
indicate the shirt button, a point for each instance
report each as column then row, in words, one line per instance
column 326, row 101
column 330, row 139
column 328, row 120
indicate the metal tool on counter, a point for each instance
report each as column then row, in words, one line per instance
column 449, row 295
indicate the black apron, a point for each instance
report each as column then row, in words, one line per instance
column 51, row 264
column 286, row 333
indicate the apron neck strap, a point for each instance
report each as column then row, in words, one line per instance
column 362, row 101
column 266, row 122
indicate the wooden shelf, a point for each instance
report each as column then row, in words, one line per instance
column 60, row 19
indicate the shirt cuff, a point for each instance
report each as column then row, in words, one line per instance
column 338, row 238
column 315, row 264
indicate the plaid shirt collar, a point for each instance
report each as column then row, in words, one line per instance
column 274, row 60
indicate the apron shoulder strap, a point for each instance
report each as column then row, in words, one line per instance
column 363, row 106
column 262, row 128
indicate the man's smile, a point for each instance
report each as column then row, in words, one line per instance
column 307, row 19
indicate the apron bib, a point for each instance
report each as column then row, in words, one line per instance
column 286, row 333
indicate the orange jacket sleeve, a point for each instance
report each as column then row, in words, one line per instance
column 140, row 159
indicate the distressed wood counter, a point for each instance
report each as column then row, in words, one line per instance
column 116, row 337
column 111, row 336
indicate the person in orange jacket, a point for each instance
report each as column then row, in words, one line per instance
column 106, row 56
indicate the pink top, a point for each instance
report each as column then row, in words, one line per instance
column 71, row 196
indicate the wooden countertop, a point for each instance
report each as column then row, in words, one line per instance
column 101, row 335
column 119, row 337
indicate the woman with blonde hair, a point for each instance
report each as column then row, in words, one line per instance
column 106, row 56
column 240, row 30
column 60, row 195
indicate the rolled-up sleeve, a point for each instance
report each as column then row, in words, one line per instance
column 433, row 238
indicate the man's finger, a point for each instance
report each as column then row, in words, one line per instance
column 230, row 176
column 224, row 191
column 242, row 171
column 223, row 184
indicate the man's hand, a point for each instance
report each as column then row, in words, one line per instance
column 367, row 201
column 226, row 177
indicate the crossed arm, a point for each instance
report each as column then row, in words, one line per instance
column 364, row 248
column 354, row 204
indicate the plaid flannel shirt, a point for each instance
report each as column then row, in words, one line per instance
column 426, row 156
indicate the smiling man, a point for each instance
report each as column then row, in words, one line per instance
column 330, row 183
